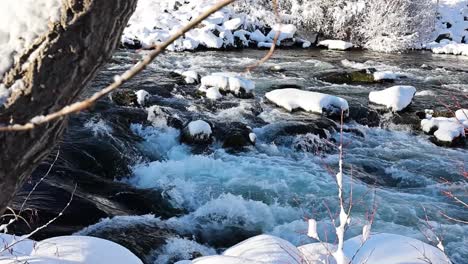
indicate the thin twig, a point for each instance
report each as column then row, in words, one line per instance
column 275, row 40
column 118, row 80
column 43, row 226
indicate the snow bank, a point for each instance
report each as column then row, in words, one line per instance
column 154, row 21
column 22, row 22
column 336, row 44
column 21, row 248
column 445, row 129
column 389, row 248
column 68, row 249
column 226, row 82
column 395, row 98
column 292, row 99
column 448, row 47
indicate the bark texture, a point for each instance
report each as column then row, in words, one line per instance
column 54, row 72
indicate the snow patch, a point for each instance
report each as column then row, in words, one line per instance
column 445, row 129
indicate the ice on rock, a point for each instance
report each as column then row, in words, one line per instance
column 395, row 98
column 336, row 44
column 142, row 97
column 403, row 250
column 227, row 82
column 191, row 77
column 199, row 128
column 292, row 99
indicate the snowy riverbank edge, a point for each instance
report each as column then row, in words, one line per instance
column 154, row 21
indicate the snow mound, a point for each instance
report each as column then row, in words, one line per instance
column 402, row 250
column 69, row 249
column 445, row 129
column 199, row 128
column 292, row 99
column 336, row 44
column 265, row 249
column 395, row 98
column 448, row 47
column 226, row 82
column 190, row 77
column 22, row 22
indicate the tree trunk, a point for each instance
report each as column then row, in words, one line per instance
column 54, row 72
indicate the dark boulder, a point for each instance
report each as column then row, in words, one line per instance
column 125, row 97
column 233, row 135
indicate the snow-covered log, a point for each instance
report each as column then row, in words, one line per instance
column 59, row 56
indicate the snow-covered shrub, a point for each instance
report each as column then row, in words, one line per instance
column 396, row 25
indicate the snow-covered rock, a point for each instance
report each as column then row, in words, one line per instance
column 265, row 248
column 292, row 99
column 197, row 132
column 190, row 77
column 66, row 250
column 142, row 97
column 395, row 98
column 336, row 44
column 199, row 128
column 213, row 93
column 389, row 249
column 445, row 129
column 229, row 83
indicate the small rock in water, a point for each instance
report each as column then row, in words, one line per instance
column 125, row 97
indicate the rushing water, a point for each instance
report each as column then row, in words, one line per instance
column 272, row 187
